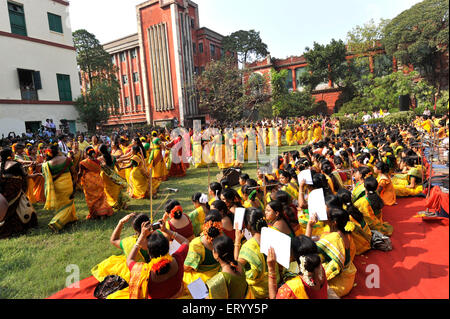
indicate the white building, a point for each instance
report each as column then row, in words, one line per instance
column 38, row 70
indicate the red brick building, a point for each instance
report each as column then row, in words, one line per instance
column 156, row 66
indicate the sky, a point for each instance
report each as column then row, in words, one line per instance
column 286, row 26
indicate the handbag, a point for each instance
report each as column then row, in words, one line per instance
column 380, row 241
column 109, row 285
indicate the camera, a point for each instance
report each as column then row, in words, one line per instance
column 156, row 226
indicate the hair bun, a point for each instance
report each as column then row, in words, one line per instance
column 203, row 199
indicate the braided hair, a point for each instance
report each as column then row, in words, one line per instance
column 224, row 247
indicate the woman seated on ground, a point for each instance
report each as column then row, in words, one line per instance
column 409, row 184
column 162, row 277
column 232, row 199
column 277, row 218
column 362, row 235
column 250, row 256
column 287, row 185
column 117, row 265
column 214, row 191
column 177, row 221
column 227, row 218
column 310, row 283
column 337, row 251
column 229, row 282
column 385, row 187
column 360, row 175
column 200, row 262
column 371, row 206
column 197, row 216
column 250, row 197
column 17, row 216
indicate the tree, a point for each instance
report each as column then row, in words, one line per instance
column 257, row 93
column 419, row 36
column 362, row 39
column 326, row 63
column 220, row 90
column 247, row 44
column 102, row 95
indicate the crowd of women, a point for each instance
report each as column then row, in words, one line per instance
column 360, row 171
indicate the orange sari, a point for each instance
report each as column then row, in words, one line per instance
column 93, row 187
column 387, row 193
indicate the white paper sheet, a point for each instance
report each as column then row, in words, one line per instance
column 305, row 175
column 173, row 247
column 198, row 289
column 316, row 204
column 239, row 217
column 280, row 242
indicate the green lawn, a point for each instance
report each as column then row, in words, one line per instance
column 34, row 265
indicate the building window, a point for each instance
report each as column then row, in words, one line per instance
column 200, row 47
column 298, row 74
column 133, row 54
column 213, row 50
column 289, row 81
column 54, row 21
column 222, row 52
column 127, row 101
column 192, row 23
column 124, row 79
column 122, row 56
column 17, row 19
column 64, row 88
column 194, row 48
column 135, row 77
column 196, row 70
column 29, row 82
column 113, row 60
column 138, row 100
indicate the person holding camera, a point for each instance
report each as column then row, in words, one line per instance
column 162, row 277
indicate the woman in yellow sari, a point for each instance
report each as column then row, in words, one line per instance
column 115, row 185
column 156, row 163
column 117, row 265
column 138, row 176
column 230, row 282
column 197, row 216
column 200, row 262
column 337, row 251
column 93, row 186
column 385, row 187
column 287, row 185
column 249, row 255
column 371, row 206
column 409, row 184
column 289, row 136
column 59, row 188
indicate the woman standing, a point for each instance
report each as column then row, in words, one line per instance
column 18, row 214
column 93, row 186
column 138, row 176
column 59, row 188
column 115, row 185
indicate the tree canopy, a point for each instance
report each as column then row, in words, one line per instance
column 247, row 44
column 419, row 36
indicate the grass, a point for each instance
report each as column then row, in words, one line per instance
column 33, row 265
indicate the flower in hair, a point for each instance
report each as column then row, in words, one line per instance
column 177, row 208
column 305, row 273
column 156, row 264
column 211, row 224
column 349, row 227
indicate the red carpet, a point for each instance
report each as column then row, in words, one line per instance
column 416, row 268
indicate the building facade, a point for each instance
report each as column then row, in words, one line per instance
column 156, row 67
column 38, row 69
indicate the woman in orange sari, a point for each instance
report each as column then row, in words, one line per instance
column 93, row 186
column 385, row 187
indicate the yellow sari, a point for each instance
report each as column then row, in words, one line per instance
column 337, row 262
column 138, row 181
column 256, row 272
column 401, row 181
column 57, row 194
column 114, row 187
column 373, row 219
column 228, row 286
column 201, row 260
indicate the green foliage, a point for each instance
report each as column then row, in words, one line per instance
column 247, row 44
column 294, row 104
column 221, row 91
column 419, row 36
column 365, row 38
column 278, row 83
column 391, row 119
column 326, row 62
column 374, row 93
column 442, row 103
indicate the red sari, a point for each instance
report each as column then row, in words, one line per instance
column 177, row 169
column 94, row 189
